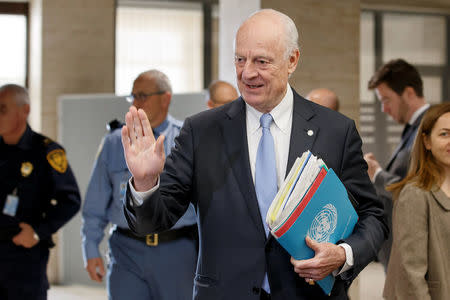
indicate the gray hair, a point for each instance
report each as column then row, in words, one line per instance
column 20, row 94
column 290, row 30
column 161, row 80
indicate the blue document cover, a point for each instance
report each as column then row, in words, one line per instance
column 329, row 216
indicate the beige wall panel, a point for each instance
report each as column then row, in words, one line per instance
column 77, row 52
column 329, row 47
column 410, row 4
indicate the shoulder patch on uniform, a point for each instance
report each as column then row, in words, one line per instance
column 47, row 141
column 57, row 159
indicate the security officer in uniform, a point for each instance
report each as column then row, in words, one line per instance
column 139, row 267
column 38, row 195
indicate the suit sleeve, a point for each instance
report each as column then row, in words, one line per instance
column 410, row 247
column 167, row 204
column 64, row 194
column 371, row 229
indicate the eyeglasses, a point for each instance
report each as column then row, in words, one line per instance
column 142, row 96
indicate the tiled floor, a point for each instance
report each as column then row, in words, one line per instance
column 371, row 282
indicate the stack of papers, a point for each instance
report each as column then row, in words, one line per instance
column 312, row 201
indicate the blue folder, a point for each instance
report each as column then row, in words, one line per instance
column 329, row 216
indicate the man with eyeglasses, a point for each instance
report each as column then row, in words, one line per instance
column 140, row 267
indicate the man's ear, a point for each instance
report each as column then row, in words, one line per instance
column 409, row 92
column 293, row 61
column 210, row 104
column 166, row 98
column 26, row 109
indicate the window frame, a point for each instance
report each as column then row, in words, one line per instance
column 20, row 8
column 381, row 122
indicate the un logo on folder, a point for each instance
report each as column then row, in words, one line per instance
column 324, row 224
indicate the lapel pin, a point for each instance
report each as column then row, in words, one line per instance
column 310, row 132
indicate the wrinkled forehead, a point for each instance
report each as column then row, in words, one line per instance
column 144, row 84
column 7, row 97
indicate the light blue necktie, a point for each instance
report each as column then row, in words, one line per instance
column 265, row 175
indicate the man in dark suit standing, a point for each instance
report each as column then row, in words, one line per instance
column 229, row 161
column 399, row 88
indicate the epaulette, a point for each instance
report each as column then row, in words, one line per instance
column 113, row 125
column 47, row 141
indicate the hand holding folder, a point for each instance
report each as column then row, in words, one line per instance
column 312, row 202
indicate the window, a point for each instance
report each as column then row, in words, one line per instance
column 13, row 33
column 420, row 39
column 167, row 37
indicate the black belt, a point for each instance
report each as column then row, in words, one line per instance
column 154, row 239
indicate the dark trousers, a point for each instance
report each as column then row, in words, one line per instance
column 23, row 272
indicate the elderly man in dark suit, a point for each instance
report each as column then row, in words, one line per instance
column 229, row 167
column 399, row 88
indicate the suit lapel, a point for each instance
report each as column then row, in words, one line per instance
column 412, row 131
column 236, row 145
column 303, row 132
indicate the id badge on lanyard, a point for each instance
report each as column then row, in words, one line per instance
column 11, row 204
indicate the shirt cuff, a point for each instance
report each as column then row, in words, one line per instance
column 137, row 198
column 348, row 259
column 90, row 250
column 377, row 171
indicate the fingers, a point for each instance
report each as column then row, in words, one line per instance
column 146, row 127
column 312, row 243
column 94, row 275
column 308, row 269
column 125, row 139
column 16, row 240
column 95, row 269
column 130, row 124
column 159, row 148
column 101, row 270
column 137, row 125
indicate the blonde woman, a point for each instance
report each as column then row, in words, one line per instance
column 419, row 267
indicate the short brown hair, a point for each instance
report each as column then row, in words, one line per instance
column 398, row 74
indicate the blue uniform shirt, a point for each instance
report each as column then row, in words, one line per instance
column 106, row 190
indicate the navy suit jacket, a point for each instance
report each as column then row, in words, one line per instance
column 396, row 170
column 210, row 168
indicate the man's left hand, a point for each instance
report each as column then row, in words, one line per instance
column 372, row 165
column 25, row 237
column 328, row 257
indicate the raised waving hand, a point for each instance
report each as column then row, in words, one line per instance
column 145, row 157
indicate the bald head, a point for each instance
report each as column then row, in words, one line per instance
column 324, row 97
column 220, row 93
column 152, row 93
column 158, row 79
column 283, row 24
column 17, row 92
column 14, row 111
column 264, row 58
